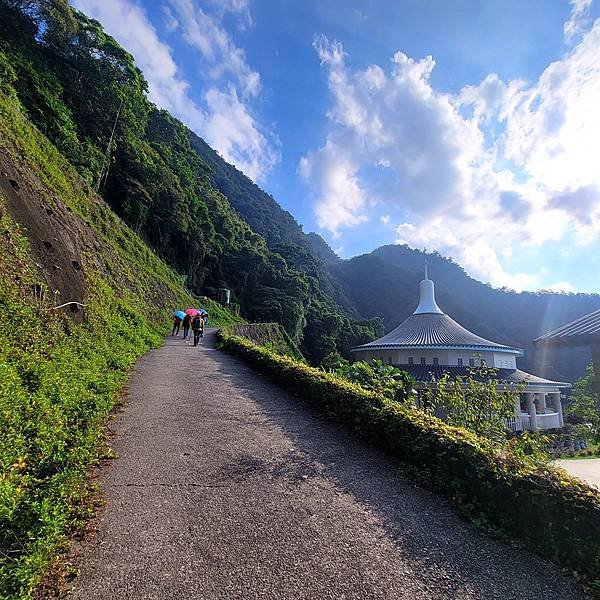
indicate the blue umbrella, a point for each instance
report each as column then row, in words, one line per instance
column 179, row 313
column 202, row 310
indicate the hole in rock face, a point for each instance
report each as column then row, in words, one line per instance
column 76, row 265
column 74, row 307
column 49, row 246
column 49, row 211
column 37, row 289
column 14, row 184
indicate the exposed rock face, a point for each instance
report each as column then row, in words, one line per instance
column 57, row 237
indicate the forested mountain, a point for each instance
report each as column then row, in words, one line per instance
column 215, row 226
column 386, row 283
column 84, row 92
column 308, row 253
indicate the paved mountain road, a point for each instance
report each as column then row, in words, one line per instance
column 225, row 487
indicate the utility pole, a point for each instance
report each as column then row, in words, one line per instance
column 106, row 162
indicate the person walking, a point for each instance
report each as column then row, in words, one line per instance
column 186, row 326
column 176, row 325
column 198, row 328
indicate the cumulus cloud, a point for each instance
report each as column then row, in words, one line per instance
column 230, row 128
column 218, row 114
column 473, row 175
column 129, row 25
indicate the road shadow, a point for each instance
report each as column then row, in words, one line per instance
column 441, row 545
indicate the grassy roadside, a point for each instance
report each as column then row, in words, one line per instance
column 59, row 381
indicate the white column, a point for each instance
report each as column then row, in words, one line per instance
column 554, row 398
column 531, row 410
column 542, row 402
column 518, row 405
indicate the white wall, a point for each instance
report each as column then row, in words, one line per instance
column 445, row 357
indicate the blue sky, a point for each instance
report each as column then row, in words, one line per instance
column 467, row 127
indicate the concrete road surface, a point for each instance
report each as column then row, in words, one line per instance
column 587, row 469
column 225, row 487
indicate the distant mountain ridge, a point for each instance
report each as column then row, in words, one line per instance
column 384, row 283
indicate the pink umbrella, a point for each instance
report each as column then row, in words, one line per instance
column 192, row 312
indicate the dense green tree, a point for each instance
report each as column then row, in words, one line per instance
column 584, row 403
column 85, row 93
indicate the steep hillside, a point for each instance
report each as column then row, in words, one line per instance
column 308, row 253
column 84, row 92
column 61, row 369
column 386, row 282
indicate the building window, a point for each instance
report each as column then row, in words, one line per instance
column 435, row 361
column 471, row 362
column 460, row 362
column 422, row 360
column 411, row 360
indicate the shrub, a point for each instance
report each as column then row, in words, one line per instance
column 550, row 512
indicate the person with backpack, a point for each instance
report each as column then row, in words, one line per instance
column 198, row 328
column 176, row 325
column 186, row 326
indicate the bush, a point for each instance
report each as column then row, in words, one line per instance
column 550, row 512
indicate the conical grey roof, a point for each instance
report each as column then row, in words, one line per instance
column 430, row 327
column 434, row 330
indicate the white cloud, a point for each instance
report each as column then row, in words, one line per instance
column 128, row 24
column 223, row 119
column 203, row 32
column 230, row 128
column 560, row 286
column 578, row 19
column 385, row 219
column 170, row 21
column 473, row 175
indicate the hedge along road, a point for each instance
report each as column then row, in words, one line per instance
column 226, row 487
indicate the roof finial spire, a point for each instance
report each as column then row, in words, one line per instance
column 427, row 302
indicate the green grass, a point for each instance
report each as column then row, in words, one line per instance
column 60, row 381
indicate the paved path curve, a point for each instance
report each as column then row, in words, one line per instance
column 587, row 469
column 227, row 488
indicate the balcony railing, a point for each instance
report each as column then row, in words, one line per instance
column 550, row 420
column 520, row 423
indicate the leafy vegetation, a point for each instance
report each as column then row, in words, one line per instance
column 59, row 380
column 268, row 335
column 584, row 407
column 490, row 485
column 477, row 402
column 374, row 376
column 84, row 92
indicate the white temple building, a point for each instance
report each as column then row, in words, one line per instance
column 430, row 343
